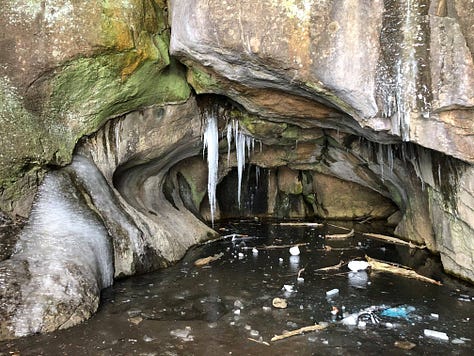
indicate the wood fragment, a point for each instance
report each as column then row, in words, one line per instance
column 258, row 341
column 393, row 240
column 300, row 224
column 404, row 345
column 340, row 227
column 273, row 247
column 331, row 268
column 340, row 236
column 206, row 260
column 378, row 265
column 298, row 332
column 299, row 273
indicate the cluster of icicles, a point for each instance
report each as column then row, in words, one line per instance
column 244, row 144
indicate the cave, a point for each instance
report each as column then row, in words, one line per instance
column 134, row 129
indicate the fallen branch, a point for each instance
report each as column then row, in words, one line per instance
column 298, row 332
column 206, row 260
column 340, row 227
column 393, row 240
column 328, row 248
column 273, row 247
column 383, row 266
column 340, row 236
column 330, row 268
column 300, row 224
column 258, row 341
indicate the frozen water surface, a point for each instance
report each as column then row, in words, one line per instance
column 226, row 307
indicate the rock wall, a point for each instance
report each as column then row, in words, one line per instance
column 388, row 71
column 101, row 217
column 65, row 68
column 375, row 93
column 385, row 70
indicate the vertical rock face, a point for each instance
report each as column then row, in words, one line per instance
column 65, row 68
column 376, row 93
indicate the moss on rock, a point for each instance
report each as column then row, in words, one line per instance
column 127, row 69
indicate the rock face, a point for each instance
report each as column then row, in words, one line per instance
column 103, row 216
column 372, row 73
column 403, row 74
column 65, row 68
column 369, row 100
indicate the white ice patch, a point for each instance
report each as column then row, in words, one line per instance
column 67, row 249
column 211, row 142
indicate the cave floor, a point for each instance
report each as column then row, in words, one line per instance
column 225, row 307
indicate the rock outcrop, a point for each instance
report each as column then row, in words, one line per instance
column 403, row 74
column 371, row 100
column 103, row 216
column 330, row 64
column 67, row 67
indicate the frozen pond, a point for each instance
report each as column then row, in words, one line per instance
column 225, row 307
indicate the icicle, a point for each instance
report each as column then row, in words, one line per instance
column 439, row 174
column 229, row 140
column 390, row 157
column 257, row 175
column 240, row 141
column 211, row 142
column 380, row 160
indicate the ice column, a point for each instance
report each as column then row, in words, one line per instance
column 243, row 143
column 211, row 142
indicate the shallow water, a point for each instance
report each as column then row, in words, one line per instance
column 226, row 307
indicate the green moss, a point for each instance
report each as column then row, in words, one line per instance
column 90, row 90
column 291, row 133
column 201, row 80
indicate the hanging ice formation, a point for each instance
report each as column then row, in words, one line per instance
column 244, row 145
column 211, row 142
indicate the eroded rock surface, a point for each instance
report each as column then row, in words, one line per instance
column 65, row 68
column 404, row 72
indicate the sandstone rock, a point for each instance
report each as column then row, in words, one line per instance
column 369, row 75
column 134, row 153
column 68, row 67
column 345, row 200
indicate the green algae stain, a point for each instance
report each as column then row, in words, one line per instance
column 201, row 80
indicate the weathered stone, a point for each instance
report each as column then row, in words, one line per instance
column 278, row 58
column 66, row 68
column 346, row 200
column 113, row 186
column 134, row 153
column 288, row 181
